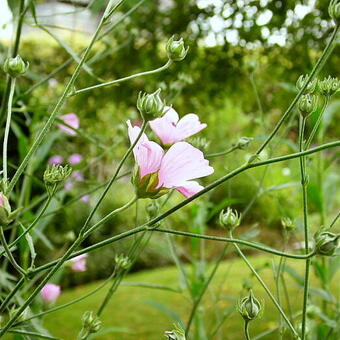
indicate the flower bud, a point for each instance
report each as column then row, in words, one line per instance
column 5, row 210
column 326, row 243
column 15, row 67
column 56, row 173
column 229, row 219
column 302, row 81
column 152, row 209
column 249, row 307
column 150, row 105
column 307, row 104
column 122, row 261
column 334, row 10
column 329, row 86
column 243, row 143
column 176, row 49
column 287, row 223
column 176, row 334
column 91, row 324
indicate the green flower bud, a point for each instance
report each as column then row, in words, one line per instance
column 5, row 210
column 243, row 143
column 307, row 104
column 176, row 49
column 328, row 86
column 15, row 67
column 229, row 219
column 249, row 307
column 334, row 10
column 152, row 209
column 326, row 243
column 287, row 223
column 176, row 334
column 91, row 324
column 150, row 105
column 302, row 81
column 56, row 173
column 122, row 261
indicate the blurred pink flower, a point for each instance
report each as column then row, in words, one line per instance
column 74, row 159
column 170, row 129
column 50, row 292
column 85, row 198
column 77, row 176
column 79, row 263
column 175, row 168
column 72, row 120
column 68, row 186
column 56, row 159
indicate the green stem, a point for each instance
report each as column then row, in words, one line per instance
column 222, row 153
column 117, row 81
column 315, row 71
column 258, row 100
column 246, row 330
column 11, row 294
column 9, row 254
column 265, row 287
column 7, row 128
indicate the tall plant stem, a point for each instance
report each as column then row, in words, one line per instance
column 7, row 128
column 246, row 330
column 302, row 124
column 11, row 294
column 325, row 54
column 265, row 287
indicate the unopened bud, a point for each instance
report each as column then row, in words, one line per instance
column 329, row 86
column 176, row 49
column 301, row 82
column 326, row 243
column 307, row 104
column 91, row 324
column 229, row 219
column 249, row 307
column 243, row 143
column 150, row 105
column 334, row 10
column 56, row 173
column 176, row 334
column 152, row 209
column 287, row 223
column 122, row 261
column 15, row 67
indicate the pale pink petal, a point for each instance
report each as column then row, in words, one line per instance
column 79, row 263
column 181, row 163
column 56, row 159
column 148, row 155
column 189, row 188
column 165, row 127
column 189, row 125
column 50, row 292
column 70, row 119
column 74, row 159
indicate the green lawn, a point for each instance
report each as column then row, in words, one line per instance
column 133, row 314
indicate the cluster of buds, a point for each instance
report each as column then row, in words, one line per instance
column 307, row 104
column 301, row 83
column 150, row 105
column 229, row 219
column 56, row 173
column 15, row 67
column 176, row 334
column 122, row 261
column 91, row 324
column 334, row 10
column 287, row 223
column 326, row 243
column 176, row 49
column 249, row 307
column 329, row 86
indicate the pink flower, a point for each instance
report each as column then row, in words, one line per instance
column 74, row 159
column 50, row 292
column 68, row 186
column 85, row 198
column 170, row 129
column 56, row 159
column 79, row 263
column 72, row 120
column 77, row 176
column 175, row 169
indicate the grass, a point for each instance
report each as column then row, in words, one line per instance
column 145, row 313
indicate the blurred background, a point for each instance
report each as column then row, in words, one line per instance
column 239, row 77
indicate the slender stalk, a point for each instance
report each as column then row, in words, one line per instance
column 7, row 128
column 117, row 81
column 246, row 330
column 11, row 294
column 258, row 100
column 9, row 254
column 222, row 153
column 334, row 220
column 265, row 287
column 32, row 334
column 325, row 54
column 305, row 224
